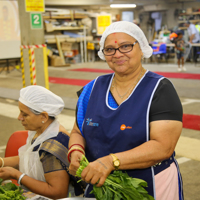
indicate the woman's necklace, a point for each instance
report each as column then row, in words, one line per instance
column 122, row 96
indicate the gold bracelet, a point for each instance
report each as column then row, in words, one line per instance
column 2, row 162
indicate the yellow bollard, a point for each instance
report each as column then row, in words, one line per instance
column 22, row 68
column 30, row 65
column 46, row 74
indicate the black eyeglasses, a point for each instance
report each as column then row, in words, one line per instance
column 123, row 49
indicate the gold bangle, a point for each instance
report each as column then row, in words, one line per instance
column 2, row 162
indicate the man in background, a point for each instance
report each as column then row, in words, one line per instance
column 193, row 38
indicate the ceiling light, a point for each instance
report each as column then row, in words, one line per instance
column 122, row 5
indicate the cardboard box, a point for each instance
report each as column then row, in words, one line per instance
column 66, row 46
column 56, row 61
column 189, row 10
column 49, row 27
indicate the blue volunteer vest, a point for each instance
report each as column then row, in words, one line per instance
column 109, row 130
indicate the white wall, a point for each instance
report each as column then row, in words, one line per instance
column 9, row 30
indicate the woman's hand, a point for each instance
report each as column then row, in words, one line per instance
column 76, row 138
column 97, row 172
column 76, row 157
column 7, row 173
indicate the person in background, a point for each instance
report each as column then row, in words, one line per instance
column 179, row 45
column 41, row 166
column 194, row 38
column 129, row 120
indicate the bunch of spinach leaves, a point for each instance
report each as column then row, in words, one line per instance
column 118, row 186
column 10, row 191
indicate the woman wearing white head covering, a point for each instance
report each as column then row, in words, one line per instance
column 41, row 166
column 129, row 120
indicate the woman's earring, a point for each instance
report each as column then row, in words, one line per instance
column 43, row 122
column 142, row 58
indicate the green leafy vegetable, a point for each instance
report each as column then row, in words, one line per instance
column 118, row 186
column 10, row 191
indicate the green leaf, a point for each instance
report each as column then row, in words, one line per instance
column 136, row 182
column 98, row 192
column 110, row 194
column 2, row 191
column 114, row 178
column 1, row 180
column 148, row 197
column 142, row 190
column 11, row 191
column 117, row 196
column 10, row 186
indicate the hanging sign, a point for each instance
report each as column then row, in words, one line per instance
column 35, row 6
column 103, row 21
column 36, row 21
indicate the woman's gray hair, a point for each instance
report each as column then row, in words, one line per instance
column 34, row 111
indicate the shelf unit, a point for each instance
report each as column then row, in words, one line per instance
column 193, row 13
column 49, row 27
column 182, row 28
column 77, row 16
column 192, row 21
column 189, row 14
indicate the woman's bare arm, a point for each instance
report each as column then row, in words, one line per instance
column 76, row 137
column 164, row 135
column 11, row 162
column 55, row 187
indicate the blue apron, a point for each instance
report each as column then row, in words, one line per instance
column 108, row 130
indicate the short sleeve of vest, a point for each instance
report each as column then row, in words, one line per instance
column 82, row 104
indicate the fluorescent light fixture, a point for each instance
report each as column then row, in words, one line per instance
column 122, row 5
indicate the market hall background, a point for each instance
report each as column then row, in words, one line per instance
column 172, row 13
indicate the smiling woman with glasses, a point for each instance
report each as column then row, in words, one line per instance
column 125, row 48
column 135, row 118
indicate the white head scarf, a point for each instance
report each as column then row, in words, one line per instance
column 40, row 99
column 130, row 29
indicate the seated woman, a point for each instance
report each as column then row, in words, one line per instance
column 42, row 164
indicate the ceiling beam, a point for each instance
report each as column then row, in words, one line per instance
column 77, row 2
column 108, row 2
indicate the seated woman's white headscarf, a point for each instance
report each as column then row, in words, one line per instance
column 41, row 99
column 130, row 29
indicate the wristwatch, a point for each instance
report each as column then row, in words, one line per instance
column 116, row 161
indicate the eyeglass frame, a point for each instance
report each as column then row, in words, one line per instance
column 119, row 50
